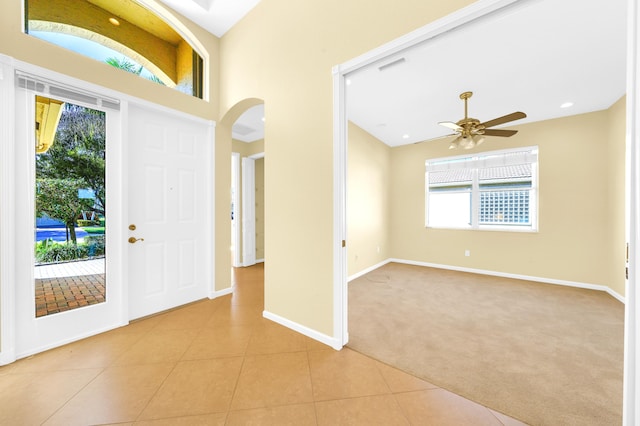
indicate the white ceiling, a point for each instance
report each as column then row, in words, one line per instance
column 249, row 127
column 215, row 16
column 531, row 57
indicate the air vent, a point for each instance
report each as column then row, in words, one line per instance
column 51, row 88
column 30, row 85
column 392, row 64
column 241, row 129
column 73, row 95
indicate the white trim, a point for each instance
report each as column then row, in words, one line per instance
column 219, row 293
column 315, row 335
column 631, row 397
column 257, row 156
column 340, row 291
column 367, row 270
column 7, row 212
column 210, row 207
column 542, row 280
column 259, row 260
column 236, row 261
column 248, row 211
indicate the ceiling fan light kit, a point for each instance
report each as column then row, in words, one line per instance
column 471, row 132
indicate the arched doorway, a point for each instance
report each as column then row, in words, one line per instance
column 226, row 195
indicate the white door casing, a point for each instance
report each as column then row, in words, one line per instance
column 248, row 211
column 236, row 258
column 169, row 167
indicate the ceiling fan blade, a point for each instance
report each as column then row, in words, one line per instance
column 499, row 132
column 450, row 124
column 504, row 119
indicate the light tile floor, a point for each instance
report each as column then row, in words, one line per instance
column 219, row 362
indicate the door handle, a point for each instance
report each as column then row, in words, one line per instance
column 133, row 240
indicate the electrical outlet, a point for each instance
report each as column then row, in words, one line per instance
column 467, row 253
column 378, row 249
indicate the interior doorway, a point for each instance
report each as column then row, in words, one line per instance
column 247, row 188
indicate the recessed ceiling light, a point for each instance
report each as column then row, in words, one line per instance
column 114, row 21
column 348, row 82
column 405, row 136
column 263, row 120
column 566, row 105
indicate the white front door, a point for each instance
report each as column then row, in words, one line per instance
column 170, row 217
column 59, row 302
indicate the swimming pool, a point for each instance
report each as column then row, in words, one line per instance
column 57, row 234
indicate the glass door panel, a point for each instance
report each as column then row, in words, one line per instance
column 70, row 206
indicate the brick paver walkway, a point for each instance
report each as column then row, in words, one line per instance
column 63, row 287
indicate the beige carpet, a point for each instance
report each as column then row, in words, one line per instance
column 544, row 354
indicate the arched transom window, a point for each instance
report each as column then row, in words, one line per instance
column 123, row 33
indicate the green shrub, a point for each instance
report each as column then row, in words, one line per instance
column 48, row 251
column 94, row 245
column 61, row 252
column 102, row 221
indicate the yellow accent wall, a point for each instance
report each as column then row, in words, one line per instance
column 283, row 52
column 581, row 205
column 368, row 208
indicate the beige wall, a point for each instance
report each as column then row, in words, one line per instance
column 581, row 205
column 283, row 52
column 247, row 149
column 616, row 166
column 368, row 207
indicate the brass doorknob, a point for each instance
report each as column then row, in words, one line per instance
column 133, row 240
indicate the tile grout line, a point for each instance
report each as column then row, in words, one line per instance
column 61, row 406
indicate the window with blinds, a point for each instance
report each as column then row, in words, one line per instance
column 491, row 190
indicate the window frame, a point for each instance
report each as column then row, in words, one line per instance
column 475, row 190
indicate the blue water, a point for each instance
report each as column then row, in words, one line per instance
column 57, row 234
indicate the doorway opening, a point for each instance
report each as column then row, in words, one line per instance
column 247, row 188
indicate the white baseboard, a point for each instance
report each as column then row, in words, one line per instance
column 604, row 288
column 366, row 271
column 7, row 357
column 259, row 260
column 313, row 334
column 220, row 293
